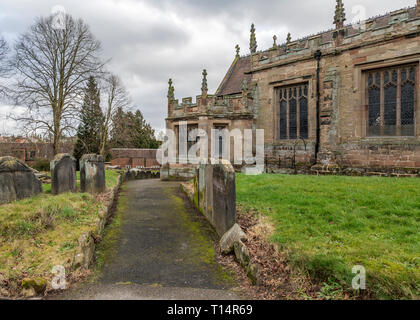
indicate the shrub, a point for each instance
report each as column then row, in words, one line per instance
column 41, row 165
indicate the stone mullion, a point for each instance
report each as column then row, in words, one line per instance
column 399, row 102
column 298, row 113
column 382, row 107
column 276, row 115
column 287, row 113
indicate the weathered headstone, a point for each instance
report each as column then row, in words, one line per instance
column 92, row 173
column 17, row 180
column 224, row 197
column 215, row 195
column 63, row 174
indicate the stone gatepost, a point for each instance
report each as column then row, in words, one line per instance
column 17, row 180
column 63, row 174
column 92, row 173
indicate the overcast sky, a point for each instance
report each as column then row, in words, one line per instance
column 151, row 41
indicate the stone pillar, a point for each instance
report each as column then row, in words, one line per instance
column 328, row 120
column 92, row 173
column 17, row 180
column 63, row 174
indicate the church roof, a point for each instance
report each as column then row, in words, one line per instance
column 232, row 82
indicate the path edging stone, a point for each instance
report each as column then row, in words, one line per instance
column 87, row 241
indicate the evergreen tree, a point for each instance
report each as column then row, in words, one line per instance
column 92, row 118
column 130, row 130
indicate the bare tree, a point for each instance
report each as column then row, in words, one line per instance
column 52, row 66
column 116, row 97
column 4, row 68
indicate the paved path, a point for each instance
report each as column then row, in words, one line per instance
column 164, row 250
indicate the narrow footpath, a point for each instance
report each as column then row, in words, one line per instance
column 163, row 250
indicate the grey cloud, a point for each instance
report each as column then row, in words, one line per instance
column 150, row 41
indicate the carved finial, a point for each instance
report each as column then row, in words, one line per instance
column 289, row 38
column 204, row 83
column 253, row 40
column 274, row 41
column 238, row 50
column 244, row 86
column 171, row 91
column 340, row 15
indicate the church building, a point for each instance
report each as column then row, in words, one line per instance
column 345, row 100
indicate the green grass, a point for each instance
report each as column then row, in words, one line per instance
column 40, row 232
column 328, row 224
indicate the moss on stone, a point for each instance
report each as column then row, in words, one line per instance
column 38, row 284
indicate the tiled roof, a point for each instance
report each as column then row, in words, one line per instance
column 232, row 82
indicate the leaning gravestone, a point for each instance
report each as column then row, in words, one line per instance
column 17, row 180
column 63, row 174
column 92, row 173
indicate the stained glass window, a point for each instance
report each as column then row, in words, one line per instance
column 391, row 101
column 293, row 112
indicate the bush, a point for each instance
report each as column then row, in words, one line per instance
column 41, row 165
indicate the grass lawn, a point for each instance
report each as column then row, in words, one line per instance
column 328, row 224
column 41, row 232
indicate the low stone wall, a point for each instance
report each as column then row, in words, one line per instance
column 87, row 242
column 134, row 157
column 177, row 172
column 138, row 174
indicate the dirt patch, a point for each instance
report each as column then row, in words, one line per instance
column 277, row 280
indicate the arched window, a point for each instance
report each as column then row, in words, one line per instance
column 391, row 101
column 292, row 112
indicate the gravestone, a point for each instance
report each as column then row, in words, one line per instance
column 92, row 173
column 63, row 174
column 224, row 197
column 17, row 180
column 215, row 194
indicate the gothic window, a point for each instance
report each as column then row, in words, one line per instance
column 220, row 139
column 192, row 137
column 293, row 112
column 391, row 101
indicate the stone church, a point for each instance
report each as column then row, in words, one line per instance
column 341, row 100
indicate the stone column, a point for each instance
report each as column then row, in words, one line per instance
column 17, row 180
column 63, row 174
column 92, row 173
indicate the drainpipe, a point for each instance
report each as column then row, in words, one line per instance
column 317, row 56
